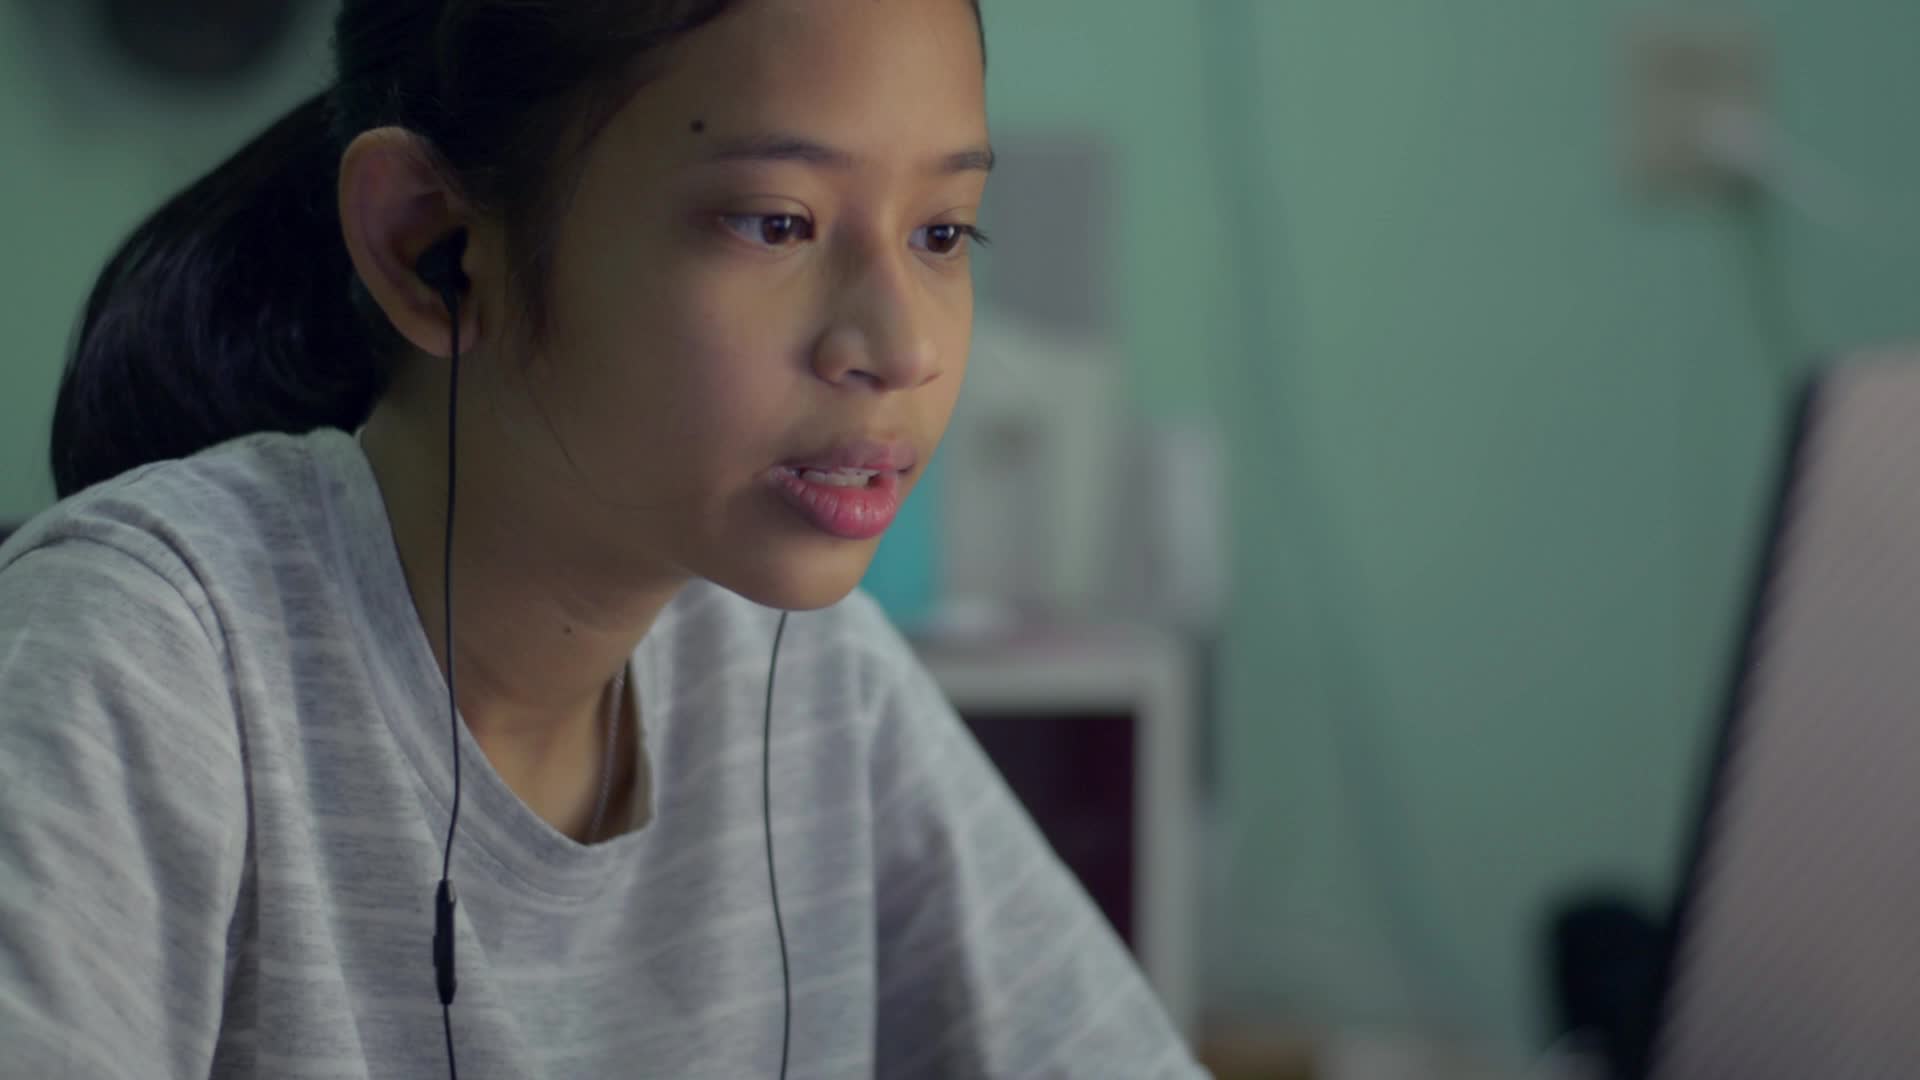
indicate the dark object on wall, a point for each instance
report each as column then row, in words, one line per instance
column 188, row 43
column 197, row 40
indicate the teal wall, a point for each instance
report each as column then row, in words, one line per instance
column 83, row 158
column 1500, row 432
column 1502, row 446
column 1132, row 74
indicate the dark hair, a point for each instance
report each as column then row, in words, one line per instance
column 234, row 309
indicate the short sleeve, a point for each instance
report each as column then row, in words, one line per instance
column 122, row 818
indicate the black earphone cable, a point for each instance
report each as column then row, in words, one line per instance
column 440, row 268
column 773, row 880
column 446, row 584
column 444, row 898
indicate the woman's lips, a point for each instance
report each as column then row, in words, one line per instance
column 850, row 502
column 851, row 489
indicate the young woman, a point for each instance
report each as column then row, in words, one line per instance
column 536, row 367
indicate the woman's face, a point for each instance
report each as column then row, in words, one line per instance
column 761, row 300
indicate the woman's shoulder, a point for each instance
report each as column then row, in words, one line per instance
column 251, row 496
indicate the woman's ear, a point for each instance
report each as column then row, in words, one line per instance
column 394, row 206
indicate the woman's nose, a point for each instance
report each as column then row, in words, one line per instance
column 883, row 339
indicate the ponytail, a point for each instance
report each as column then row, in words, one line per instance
column 227, row 312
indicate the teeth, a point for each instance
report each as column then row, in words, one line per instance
column 838, row 477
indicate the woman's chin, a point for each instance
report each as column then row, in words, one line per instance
column 802, row 582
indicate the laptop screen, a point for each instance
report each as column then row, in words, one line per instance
column 1797, row 942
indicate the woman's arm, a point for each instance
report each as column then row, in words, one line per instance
column 993, row 960
column 122, row 819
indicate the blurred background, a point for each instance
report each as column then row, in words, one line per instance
column 1344, row 534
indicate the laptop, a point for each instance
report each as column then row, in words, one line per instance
column 1795, row 938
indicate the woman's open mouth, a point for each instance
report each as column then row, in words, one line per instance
column 850, row 503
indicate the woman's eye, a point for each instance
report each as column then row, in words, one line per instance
column 772, row 230
column 948, row 239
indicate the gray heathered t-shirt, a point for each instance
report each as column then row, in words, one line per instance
column 225, row 778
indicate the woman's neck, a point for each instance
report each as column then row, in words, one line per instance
column 536, row 639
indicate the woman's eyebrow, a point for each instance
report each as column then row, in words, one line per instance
column 778, row 147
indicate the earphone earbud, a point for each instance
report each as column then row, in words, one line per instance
column 439, row 267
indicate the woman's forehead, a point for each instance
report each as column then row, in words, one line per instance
column 898, row 82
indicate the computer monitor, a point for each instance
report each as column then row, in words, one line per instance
column 1795, row 948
